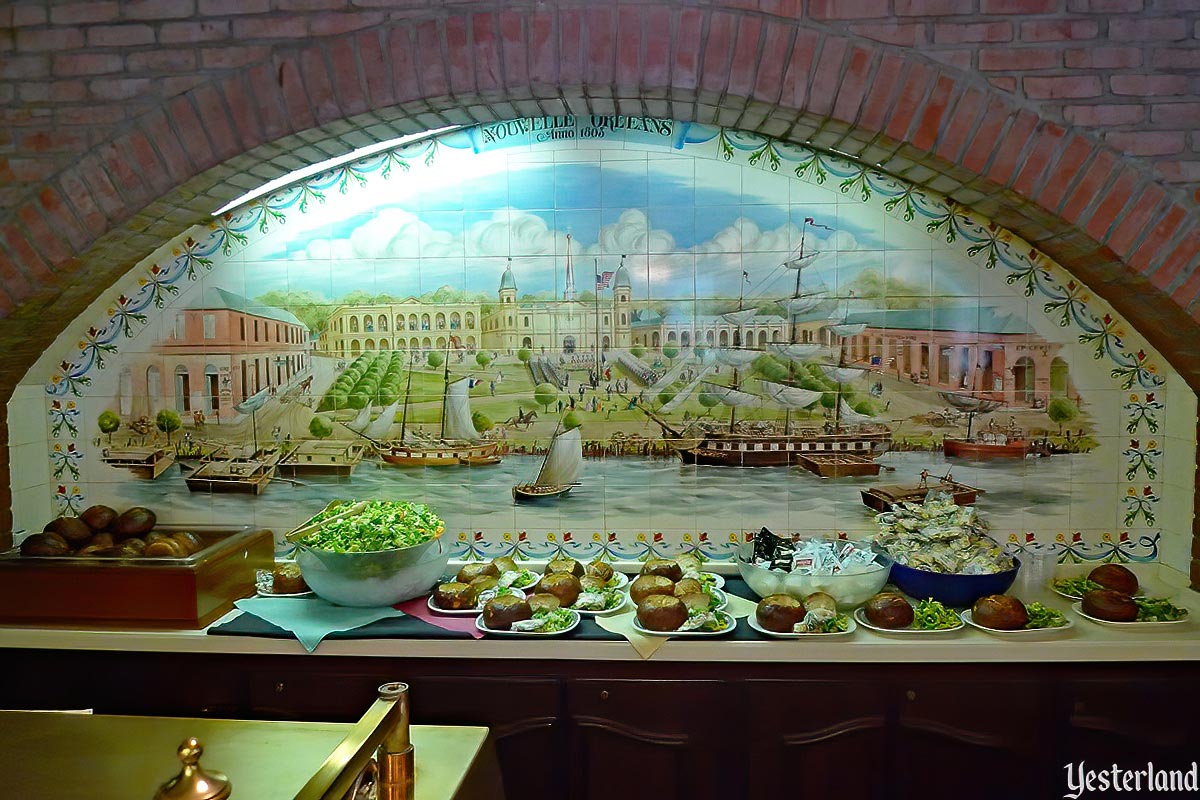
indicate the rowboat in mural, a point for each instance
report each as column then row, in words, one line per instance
column 236, row 475
column 321, row 458
column 559, row 472
column 882, row 498
column 142, row 462
column 839, row 465
column 458, row 443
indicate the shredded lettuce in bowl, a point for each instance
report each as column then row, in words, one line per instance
column 381, row 525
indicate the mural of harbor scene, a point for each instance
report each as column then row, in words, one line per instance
column 632, row 350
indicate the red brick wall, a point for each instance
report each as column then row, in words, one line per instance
column 1073, row 122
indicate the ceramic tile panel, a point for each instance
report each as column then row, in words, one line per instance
column 745, row 333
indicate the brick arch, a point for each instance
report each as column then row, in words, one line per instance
column 1101, row 215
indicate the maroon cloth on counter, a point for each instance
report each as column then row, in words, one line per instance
column 417, row 607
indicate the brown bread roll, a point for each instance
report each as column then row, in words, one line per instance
column 666, row 567
column 188, row 541
column 562, row 585
column 1115, row 577
column 287, row 579
column 1000, row 611
column 475, row 569
column 74, row 530
column 543, row 602
column 888, row 610
column 599, row 569
column 99, row 518
column 645, row 585
column 500, row 613
column 165, row 548
column 47, row 543
column 505, row 564
column 480, row 585
column 662, row 612
column 590, row 583
column 453, row 596
column 1110, row 605
column 137, row 521
column 688, row 586
column 779, row 613
column 567, row 565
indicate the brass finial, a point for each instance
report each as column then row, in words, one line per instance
column 192, row 782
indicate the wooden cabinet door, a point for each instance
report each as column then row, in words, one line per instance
column 523, row 717
column 1129, row 722
column 972, row 738
column 816, row 738
column 651, row 740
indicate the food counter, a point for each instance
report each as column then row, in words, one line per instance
column 700, row 718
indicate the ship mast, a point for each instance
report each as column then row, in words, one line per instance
column 787, row 411
column 737, row 342
column 407, row 392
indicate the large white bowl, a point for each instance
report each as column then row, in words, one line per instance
column 382, row 578
column 849, row 591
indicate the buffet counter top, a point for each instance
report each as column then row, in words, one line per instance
column 1086, row 641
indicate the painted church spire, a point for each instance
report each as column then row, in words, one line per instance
column 569, row 291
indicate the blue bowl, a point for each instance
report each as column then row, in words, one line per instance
column 960, row 591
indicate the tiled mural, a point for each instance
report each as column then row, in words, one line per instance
column 611, row 334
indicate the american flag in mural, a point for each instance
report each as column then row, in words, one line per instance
column 603, row 279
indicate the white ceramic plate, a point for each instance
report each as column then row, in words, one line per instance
column 622, row 580
column 479, row 625
column 862, row 620
column 533, row 582
column 753, row 623
column 1078, row 609
column 461, row 612
column 1061, row 593
column 1027, row 634
column 730, row 624
column 625, row 601
column 268, row 593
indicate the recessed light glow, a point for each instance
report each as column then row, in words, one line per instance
column 330, row 163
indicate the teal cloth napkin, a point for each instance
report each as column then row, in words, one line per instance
column 311, row 619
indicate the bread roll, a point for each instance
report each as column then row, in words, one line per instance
column 453, row 596
column 543, row 602
column 889, row 610
column 662, row 612
column 599, row 569
column 562, row 585
column 1115, row 577
column 1000, row 611
column 1110, row 605
column 475, row 569
column 567, row 565
column 688, row 586
column 666, row 567
column 74, row 530
column 99, row 518
column 505, row 564
column 47, row 543
column 501, row 612
column 645, row 585
column 286, row 579
column 779, row 613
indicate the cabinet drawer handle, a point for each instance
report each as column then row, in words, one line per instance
column 910, row 694
column 604, row 694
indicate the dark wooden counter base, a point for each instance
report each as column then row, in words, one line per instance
column 620, row 731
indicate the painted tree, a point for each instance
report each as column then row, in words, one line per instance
column 523, row 355
column 167, row 421
column 637, row 352
column 670, row 351
column 482, row 359
column 320, row 427
column 571, row 420
column 1061, row 411
column 545, row 394
column 482, row 422
column 435, row 359
column 109, row 422
column 709, row 400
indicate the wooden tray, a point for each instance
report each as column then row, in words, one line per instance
column 163, row 592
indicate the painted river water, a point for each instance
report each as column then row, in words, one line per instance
column 631, row 496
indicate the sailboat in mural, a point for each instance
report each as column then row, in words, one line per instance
column 849, row 444
column 560, row 469
column 458, row 443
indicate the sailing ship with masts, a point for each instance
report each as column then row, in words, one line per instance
column 559, row 471
column 458, row 443
column 847, row 444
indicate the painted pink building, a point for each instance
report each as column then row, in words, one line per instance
column 222, row 349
